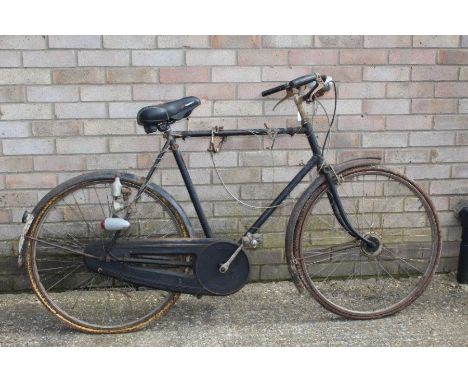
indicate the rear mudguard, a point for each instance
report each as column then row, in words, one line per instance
column 164, row 197
column 289, row 247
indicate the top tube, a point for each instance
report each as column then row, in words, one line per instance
column 231, row 133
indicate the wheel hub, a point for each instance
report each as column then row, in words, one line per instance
column 376, row 248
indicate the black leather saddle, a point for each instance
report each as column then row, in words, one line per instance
column 162, row 115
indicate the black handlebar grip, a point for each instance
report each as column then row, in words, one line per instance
column 304, row 80
column 274, row 90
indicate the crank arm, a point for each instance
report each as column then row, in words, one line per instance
column 224, row 267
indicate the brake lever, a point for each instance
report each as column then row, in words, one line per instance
column 289, row 94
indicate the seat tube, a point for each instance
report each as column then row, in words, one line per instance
column 190, row 187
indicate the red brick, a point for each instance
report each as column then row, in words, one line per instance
column 132, row 75
column 434, row 106
column 345, row 155
column 287, row 41
column 460, row 171
column 56, row 128
column 235, row 41
column 409, row 122
column 30, row 181
column 236, row 74
column 210, row 57
column 345, row 140
column 341, row 73
column 432, row 171
column 363, row 56
column 78, row 76
column 434, row 73
column 462, row 138
column 410, row 90
column 385, row 140
column 386, row 73
column 464, row 73
column 453, row 56
column 157, row 92
column 16, row 164
column 182, row 75
column 12, row 94
column 5, row 216
column 436, row 41
column 394, row 106
column 313, row 57
column 407, row 156
column 412, row 56
column 59, row 163
column 450, row 122
column 451, row 89
column 262, row 57
column 361, row 90
column 179, row 41
column 387, row 41
column 212, row 91
column 335, row 41
column 431, row 138
column 253, row 90
column 284, row 73
column 361, row 123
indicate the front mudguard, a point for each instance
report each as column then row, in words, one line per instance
column 289, row 246
column 30, row 218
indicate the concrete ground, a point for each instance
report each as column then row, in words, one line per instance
column 269, row 314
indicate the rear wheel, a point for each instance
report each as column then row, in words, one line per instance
column 68, row 221
column 354, row 280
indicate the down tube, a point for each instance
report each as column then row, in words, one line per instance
column 283, row 195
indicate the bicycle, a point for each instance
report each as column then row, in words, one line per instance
column 109, row 252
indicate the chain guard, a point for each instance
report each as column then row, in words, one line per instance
column 207, row 268
column 135, row 261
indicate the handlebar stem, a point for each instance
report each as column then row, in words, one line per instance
column 300, row 108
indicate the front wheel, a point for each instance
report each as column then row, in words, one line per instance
column 67, row 221
column 354, row 280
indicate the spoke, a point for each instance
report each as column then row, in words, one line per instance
column 401, row 259
column 83, row 286
column 62, row 247
column 82, row 215
column 99, row 201
column 329, row 250
column 101, row 235
column 373, row 202
column 59, row 240
column 321, row 219
column 384, row 269
column 56, row 268
column 162, row 237
column 66, row 276
column 318, row 261
column 333, row 270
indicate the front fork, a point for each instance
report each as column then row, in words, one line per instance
column 327, row 171
column 338, row 210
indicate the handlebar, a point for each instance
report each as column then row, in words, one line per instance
column 297, row 83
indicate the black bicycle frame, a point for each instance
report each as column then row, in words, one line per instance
column 315, row 160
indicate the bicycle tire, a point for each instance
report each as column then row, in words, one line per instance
column 315, row 280
column 158, row 196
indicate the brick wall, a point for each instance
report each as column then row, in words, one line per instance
column 68, row 105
